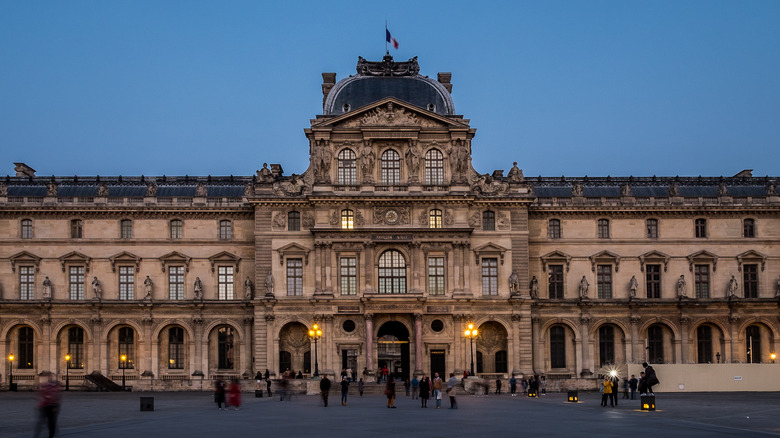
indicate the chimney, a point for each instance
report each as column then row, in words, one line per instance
column 24, row 170
column 276, row 170
column 444, row 79
column 328, row 81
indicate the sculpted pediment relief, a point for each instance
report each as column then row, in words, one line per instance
column 390, row 112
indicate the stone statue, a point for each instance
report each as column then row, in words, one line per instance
column 264, row 174
column 514, row 284
column 458, row 156
column 583, row 287
column 248, row 289
column 674, row 189
column 148, row 288
column 770, row 190
column 198, row 289
column 413, row 160
column 3, row 189
column 292, row 187
column 269, row 284
column 102, row 190
column 200, row 190
column 723, row 190
column 576, row 189
column 534, row 287
column 682, row 287
column 51, row 189
column 367, row 163
column 321, row 158
column 47, row 289
column 151, row 190
column 733, row 287
column 97, row 288
column 625, row 190
column 632, row 286
column 515, row 174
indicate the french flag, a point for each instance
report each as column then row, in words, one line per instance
column 389, row 38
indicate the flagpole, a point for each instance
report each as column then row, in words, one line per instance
column 386, row 51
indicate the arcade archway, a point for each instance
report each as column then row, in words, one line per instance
column 393, row 349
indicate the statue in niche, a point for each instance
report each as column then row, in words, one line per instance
column 47, row 289
column 321, row 157
column 413, row 158
column 515, row 174
column 248, row 289
column 682, row 287
column 583, row 287
column 198, row 289
column 770, row 190
column 3, row 189
column 674, row 189
column 723, row 190
column 367, row 163
column 458, row 156
column 148, row 288
column 97, row 288
column 732, row 288
column 534, row 287
column 633, row 285
column 625, row 190
column 269, row 284
column 514, row 283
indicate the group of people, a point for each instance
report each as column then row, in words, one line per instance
column 644, row 384
column 534, row 385
column 230, row 395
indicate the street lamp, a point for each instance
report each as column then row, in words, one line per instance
column 773, row 357
column 123, row 358
column 11, row 374
column 471, row 333
column 315, row 333
column 717, row 356
column 67, row 372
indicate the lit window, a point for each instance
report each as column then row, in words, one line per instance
column 27, row 228
column 434, row 167
column 347, row 219
column 126, row 347
column 347, row 167
column 176, row 348
column 391, row 168
column 76, row 347
column 434, row 218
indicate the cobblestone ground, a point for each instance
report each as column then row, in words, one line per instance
column 194, row 414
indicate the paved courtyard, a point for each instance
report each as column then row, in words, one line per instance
column 194, row 414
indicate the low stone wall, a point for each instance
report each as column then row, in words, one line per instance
column 714, row 377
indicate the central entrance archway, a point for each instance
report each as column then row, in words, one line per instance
column 393, row 349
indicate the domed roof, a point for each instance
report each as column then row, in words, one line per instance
column 387, row 78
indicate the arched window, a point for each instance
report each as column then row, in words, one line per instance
column 655, row 344
column 177, row 229
column 126, row 346
column 225, row 352
column 606, row 345
column 704, row 344
column 347, row 167
column 126, row 229
column 347, row 219
column 392, row 273
column 294, row 221
column 488, row 220
column 27, row 228
column 26, row 348
column 391, row 168
column 225, row 230
column 76, row 347
column 557, row 347
column 434, row 167
column 554, row 229
column 176, row 348
column 434, row 218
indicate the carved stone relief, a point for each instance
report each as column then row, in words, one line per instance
column 391, row 215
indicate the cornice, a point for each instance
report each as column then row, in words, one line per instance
column 116, row 213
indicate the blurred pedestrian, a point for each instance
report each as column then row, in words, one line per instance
column 234, row 394
column 361, row 386
column 219, row 392
column 344, row 390
column 451, row 384
column 498, row 386
column 415, row 388
column 324, row 389
column 437, row 385
column 268, row 386
column 513, row 385
column 390, row 393
column 49, row 405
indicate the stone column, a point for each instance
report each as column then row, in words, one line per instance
column 329, row 354
column 456, row 267
column 585, row 346
column 369, row 342
column 329, row 261
column 466, row 267
column 537, row 337
column 145, row 364
column 196, row 361
column 271, row 361
column 318, row 263
column 418, row 350
column 634, row 342
column 458, row 348
column 369, row 264
column 732, row 350
column 48, row 347
column 684, row 320
column 514, row 349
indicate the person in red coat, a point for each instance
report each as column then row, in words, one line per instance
column 234, row 397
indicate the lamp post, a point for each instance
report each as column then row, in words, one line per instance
column 11, row 373
column 471, row 333
column 67, row 372
column 315, row 333
column 717, row 356
column 123, row 359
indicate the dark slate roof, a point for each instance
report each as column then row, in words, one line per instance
column 552, row 192
column 126, row 191
column 176, row 191
column 601, row 191
column 697, row 191
column 27, row 191
column 745, row 191
column 225, row 191
column 77, row 191
column 650, row 191
column 363, row 90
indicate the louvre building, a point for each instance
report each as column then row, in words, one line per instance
column 392, row 243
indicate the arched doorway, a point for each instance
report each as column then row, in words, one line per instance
column 294, row 348
column 491, row 348
column 393, row 349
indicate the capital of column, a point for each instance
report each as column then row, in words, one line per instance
column 368, row 316
column 634, row 319
column 418, row 316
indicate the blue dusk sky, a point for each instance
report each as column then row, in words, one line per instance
column 562, row 87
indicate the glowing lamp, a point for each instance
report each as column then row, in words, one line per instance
column 573, row 397
column 648, row 402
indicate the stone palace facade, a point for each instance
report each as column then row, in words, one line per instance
column 392, row 242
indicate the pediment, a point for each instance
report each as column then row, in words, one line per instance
column 703, row 256
column 175, row 257
column 25, row 257
column 124, row 257
column 224, row 257
column 653, row 256
column 390, row 112
column 75, row 257
column 751, row 256
column 553, row 257
column 293, row 249
column 489, row 248
column 604, row 256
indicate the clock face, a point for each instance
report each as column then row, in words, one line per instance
column 391, row 216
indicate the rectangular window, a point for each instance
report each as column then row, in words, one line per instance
column 348, row 275
column 749, row 228
column 76, row 282
column 176, row 282
column 126, row 343
column 653, row 281
column 556, row 282
column 27, row 229
column 225, row 280
column 126, row 282
column 76, row 229
column 557, row 347
column 176, row 348
column 652, row 228
column 702, row 281
column 750, row 280
column 26, row 348
column 295, row 277
column 436, row 275
column 76, row 347
column 554, row 229
column 603, row 228
column 27, row 282
column 604, row 279
column 225, row 230
column 701, row 228
column 177, row 229
column 489, row 276
column 126, row 227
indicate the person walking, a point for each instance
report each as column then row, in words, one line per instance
column 632, row 386
column 525, row 386
column 407, row 385
column 451, row 384
column 344, row 390
column 324, row 389
column 234, row 396
column 498, row 386
column 415, row 388
column 604, row 395
column 513, row 385
column 390, row 393
column 650, row 378
column 625, row 387
column 437, row 385
column 543, row 385
column 361, row 386
column 607, row 383
column 219, row 393
column 425, row 391
column 49, row 405
column 268, row 386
